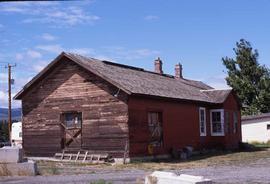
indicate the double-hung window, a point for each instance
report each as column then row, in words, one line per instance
column 202, row 119
column 217, row 122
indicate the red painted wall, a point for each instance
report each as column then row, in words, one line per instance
column 180, row 125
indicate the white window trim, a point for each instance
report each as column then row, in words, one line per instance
column 204, row 111
column 222, row 122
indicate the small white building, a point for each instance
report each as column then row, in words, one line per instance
column 256, row 128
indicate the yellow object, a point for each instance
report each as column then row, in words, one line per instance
column 150, row 149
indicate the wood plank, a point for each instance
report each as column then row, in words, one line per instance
column 68, row 87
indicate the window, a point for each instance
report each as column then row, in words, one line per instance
column 227, row 122
column 155, row 128
column 73, row 120
column 235, row 122
column 268, row 127
column 202, row 116
column 217, row 122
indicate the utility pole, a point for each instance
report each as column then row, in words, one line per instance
column 10, row 82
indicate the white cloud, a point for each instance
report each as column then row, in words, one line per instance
column 24, row 7
column 146, row 52
column 105, row 58
column 48, row 37
column 83, row 51
column 40, row 65
column 217, row 82
column 33, row 54
column 13, row 9
column 29, row 54
column 151, row 17
column 56, row 48
column 51, row 13
column 19, row 82
column 3, row 78
column 121, row 53
column 73, row 16
column 38, row 68
column 4, row 100
column 19, row 57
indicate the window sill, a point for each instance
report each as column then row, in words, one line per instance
column 202, row 135
column 217, row 134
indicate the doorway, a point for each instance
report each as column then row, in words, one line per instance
column 71, row 123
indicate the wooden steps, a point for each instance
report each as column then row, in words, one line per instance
column 82, row 156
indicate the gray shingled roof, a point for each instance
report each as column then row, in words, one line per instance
column 218, row 96
column 256, row 117
column 139, row 81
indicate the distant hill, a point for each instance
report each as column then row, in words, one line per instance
column 16, row 114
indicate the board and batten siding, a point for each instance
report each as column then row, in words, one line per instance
column 256, row 130
column 180, row 125
column 70, row 88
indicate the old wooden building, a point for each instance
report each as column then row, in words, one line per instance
column 84, row 103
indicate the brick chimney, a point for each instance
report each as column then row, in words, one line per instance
column 178, row 71
column 158, row 66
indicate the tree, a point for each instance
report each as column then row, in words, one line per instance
column 4, row 134
column 249, row 79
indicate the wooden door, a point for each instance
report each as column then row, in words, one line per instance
column 71, row 123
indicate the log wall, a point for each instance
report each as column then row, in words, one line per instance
column 68, row 87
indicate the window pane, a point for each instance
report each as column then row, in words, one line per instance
column 216, row 122
column 69, row 119
column 73, row 120
column 202, row 114
column 202, row 121
column 202, row 129
column 218, row 116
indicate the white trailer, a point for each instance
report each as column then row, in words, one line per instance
column 16, row 134
column 256, row 128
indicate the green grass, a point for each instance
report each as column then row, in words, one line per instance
column 258, row 144
column 100, row 182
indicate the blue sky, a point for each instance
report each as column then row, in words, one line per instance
column 195, row 33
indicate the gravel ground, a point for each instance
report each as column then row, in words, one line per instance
column 123, row 177
column 257, row 171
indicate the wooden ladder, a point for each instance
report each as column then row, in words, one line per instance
column 82, row 156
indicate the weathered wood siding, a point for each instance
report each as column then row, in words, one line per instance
column 68, row 87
